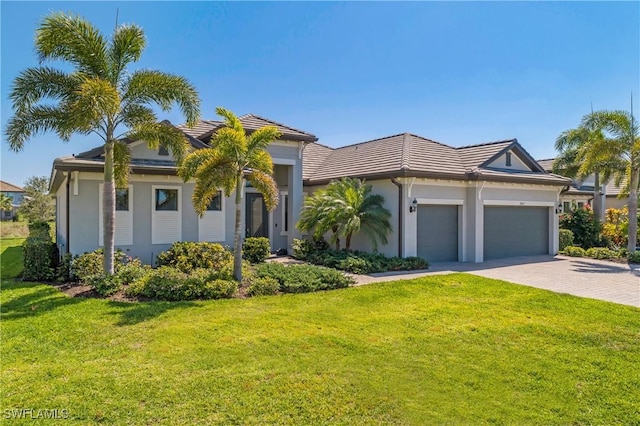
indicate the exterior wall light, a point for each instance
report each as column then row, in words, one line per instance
column 414, row 206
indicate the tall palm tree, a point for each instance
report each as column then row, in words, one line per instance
column 233, row 158
column 347, row 207
column 100, row 96
column 620, row 150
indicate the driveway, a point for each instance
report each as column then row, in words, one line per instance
column 595, row 279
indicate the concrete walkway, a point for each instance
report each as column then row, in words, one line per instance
column 596, row 279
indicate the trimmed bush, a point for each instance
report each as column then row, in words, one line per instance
column 601, row 253
column 256, row 249
column 132, row 271
column 303, row 278
column 38, row 251
column 634, row 257
column 104, row 284
column 40, row 229
column 64, row 271
column 263, row 286
column 565, row 237
column 91, row 263
column 168, row 283
column 574, row 251
column 187, row 256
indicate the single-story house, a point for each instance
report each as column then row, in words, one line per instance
column 16, row 194
column 448, row 204
column 581, row 192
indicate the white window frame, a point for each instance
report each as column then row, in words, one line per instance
column 122, row 217
column 283, row 197
column 174, row 217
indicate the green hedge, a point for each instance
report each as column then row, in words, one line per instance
column 575, row 251
column 303, row 278
column 168, row 283
column 565, row 237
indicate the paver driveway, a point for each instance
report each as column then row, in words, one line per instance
column 596, row 279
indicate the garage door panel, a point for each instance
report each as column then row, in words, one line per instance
column 511, row 231
column 438, row 233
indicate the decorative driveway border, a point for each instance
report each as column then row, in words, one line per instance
column 584, row 277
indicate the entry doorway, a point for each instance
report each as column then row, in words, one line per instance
column 256, row 216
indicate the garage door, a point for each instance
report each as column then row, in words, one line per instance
column 438, row 233
column 515, row 231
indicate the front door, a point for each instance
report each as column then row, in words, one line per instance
column 256, row 216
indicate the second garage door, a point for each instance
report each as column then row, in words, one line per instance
column 515, row 231
column 438, row 233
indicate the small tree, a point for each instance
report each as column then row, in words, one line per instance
column 37, row 205
column 6, row 202
column 346, row 207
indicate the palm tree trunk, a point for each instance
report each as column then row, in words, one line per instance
column 347, row 242
column 108, row 209
column 633, row 209
column 237, row 241
column 597, row 206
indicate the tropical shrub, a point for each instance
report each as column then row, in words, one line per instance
column 263, row 286
column 601, row 253
column 574, row 251
column 91, row 263
column 187, row 256
column 303, row 278
column 104, row 284
column 132, row 271
column 634, row 257
column 565, row 238
column 256, row 249
column 64, row 271
column 581, row 222
column 167, row 283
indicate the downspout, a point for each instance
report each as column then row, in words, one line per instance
column 400, row 204
column 68, row 212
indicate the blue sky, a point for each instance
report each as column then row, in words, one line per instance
column 457, row 72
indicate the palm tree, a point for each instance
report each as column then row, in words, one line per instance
column 100, row 96
column 620, row 150
column 347, row 207
column 233, row 158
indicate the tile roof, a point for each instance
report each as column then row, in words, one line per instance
column 9, row 187
column 407, row 154
column 251, row 122
column 476, row 155
column 313, row 156
column 547, row 164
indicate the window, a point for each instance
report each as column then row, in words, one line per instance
column 285, row 208
column 163, row 151
column 216, row 203
column 166, row 200
column 566, row 206
column 508, row 162
column 122, row 200
column 580, row 204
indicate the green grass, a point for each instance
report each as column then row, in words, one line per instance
column 455, row 349
column 11, row 252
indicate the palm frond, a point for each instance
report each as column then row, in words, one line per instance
column 121, row 163
column 230, row 119
column 35, row 84
column 97, row 98
column 162, row 134
column 148, row 86
column 267, row 186
column 261, row 138
column 260, row 160
column 72, row 38
column 135, row 115
column 126, row 46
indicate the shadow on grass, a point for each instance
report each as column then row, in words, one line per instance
column 41, row 300
column 11, row 266
column 135, row 313
column 44, row 298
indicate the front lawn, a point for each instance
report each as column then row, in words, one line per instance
column 456, row 349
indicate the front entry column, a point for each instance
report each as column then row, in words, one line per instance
column 294, row 182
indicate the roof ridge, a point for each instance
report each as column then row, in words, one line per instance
column 430, row 140
column 486, row 143
column 12, row 185
column 323, row 145
column 406, row 148
column 372, row 140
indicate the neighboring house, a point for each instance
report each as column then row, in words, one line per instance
column 448, row 204
column 464, row 204
column 156, row 209
column 16, row 194
column 581, row 192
